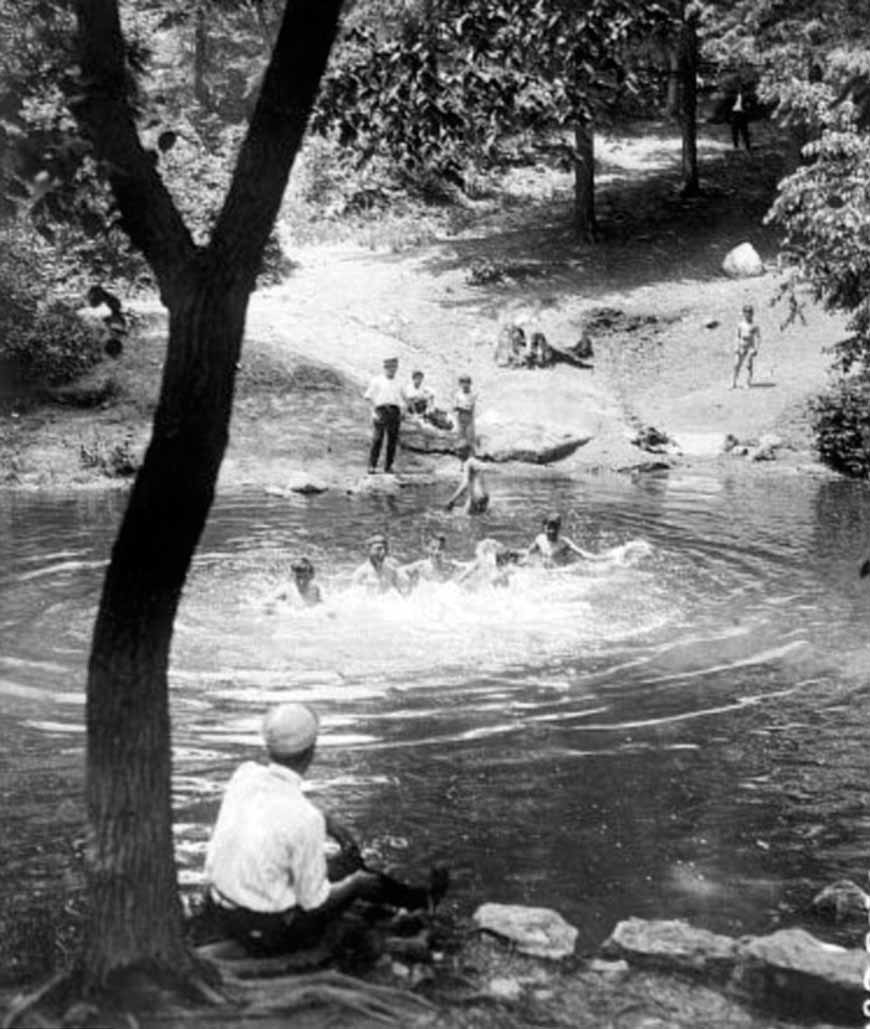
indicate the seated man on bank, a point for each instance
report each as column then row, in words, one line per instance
column 266, row 867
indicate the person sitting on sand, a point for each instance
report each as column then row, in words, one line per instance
column 540, row 351
column 435, row 566
column 747, row 344
column 420, row 398
column 266, row 871
column 472, row 484
column 553, row 549
column 380, row 573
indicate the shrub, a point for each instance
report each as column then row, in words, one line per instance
column 841, row 422
column 57, row 348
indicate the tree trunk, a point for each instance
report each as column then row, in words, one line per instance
column 200, row 56
column 135, row 912
column 584, row 180
column 672, row 103
column 136, row 916
column 689, row 100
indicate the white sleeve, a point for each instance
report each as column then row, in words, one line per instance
column 310, row 882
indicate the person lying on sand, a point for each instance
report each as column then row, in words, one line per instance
column 380, row 573
column 472, row 484
column 435, row 566
column 553, row 550
column 267, row 875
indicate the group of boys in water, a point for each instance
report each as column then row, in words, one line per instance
column 491, row 565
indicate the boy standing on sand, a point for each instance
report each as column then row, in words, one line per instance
column 464, row 403
column 747, row 344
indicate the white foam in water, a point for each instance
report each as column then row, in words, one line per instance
column 360, row 644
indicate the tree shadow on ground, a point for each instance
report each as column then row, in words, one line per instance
column 647, row 232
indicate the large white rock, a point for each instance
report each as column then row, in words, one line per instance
column 672, row 945
column 743, row 262
column 539, row 932
column 793, row 969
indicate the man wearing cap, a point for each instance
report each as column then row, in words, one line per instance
column 388, row 400
column 266, row 866
column 555, row 550
column 379, row 573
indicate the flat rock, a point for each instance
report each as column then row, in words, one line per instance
column 535, row 446
column 379, row 483
column 299, row 483
column 797, row 972
column 743, row 262
column 842, row 900
column 539, row 932
column 672, row 946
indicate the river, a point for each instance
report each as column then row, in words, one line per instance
column 677, row 732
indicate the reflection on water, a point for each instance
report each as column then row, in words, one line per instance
column 676, row 731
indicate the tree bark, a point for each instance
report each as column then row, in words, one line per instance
column 584, row 180
column 689, row 100
column 135, row 912
column 672, row 103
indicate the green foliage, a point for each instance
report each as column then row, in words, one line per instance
column 44, row 341
column 824, row 210
column 443, row 93
column 841, row 421
column 58, row 348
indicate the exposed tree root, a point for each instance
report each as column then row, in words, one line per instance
column 59, row 1001
column 25, row 1004
column 383, row 1003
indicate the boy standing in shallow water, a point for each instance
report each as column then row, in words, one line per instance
column 746, row 346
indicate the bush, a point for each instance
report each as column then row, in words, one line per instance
column 841, row 422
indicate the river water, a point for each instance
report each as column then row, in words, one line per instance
column 679, row 731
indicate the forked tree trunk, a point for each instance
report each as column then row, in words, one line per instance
column 136, row 917
column 135, row 913
column 584, row 180
column 689, row 100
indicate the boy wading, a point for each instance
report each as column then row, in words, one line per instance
column 388, row 400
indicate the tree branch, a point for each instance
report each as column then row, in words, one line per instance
column 289, row 88
column 104, row 112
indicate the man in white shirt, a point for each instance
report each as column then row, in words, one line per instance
column 266, row 866
column 388, row 401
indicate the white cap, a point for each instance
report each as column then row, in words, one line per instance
column 290, row 729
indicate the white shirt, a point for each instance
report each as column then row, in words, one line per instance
column 384, row 392
column 266, row 851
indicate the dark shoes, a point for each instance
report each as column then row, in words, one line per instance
column 439, row 883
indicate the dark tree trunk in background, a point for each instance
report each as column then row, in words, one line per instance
column 584, row 180
column 136, row 916
column 689, row 99
column 672, row 103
